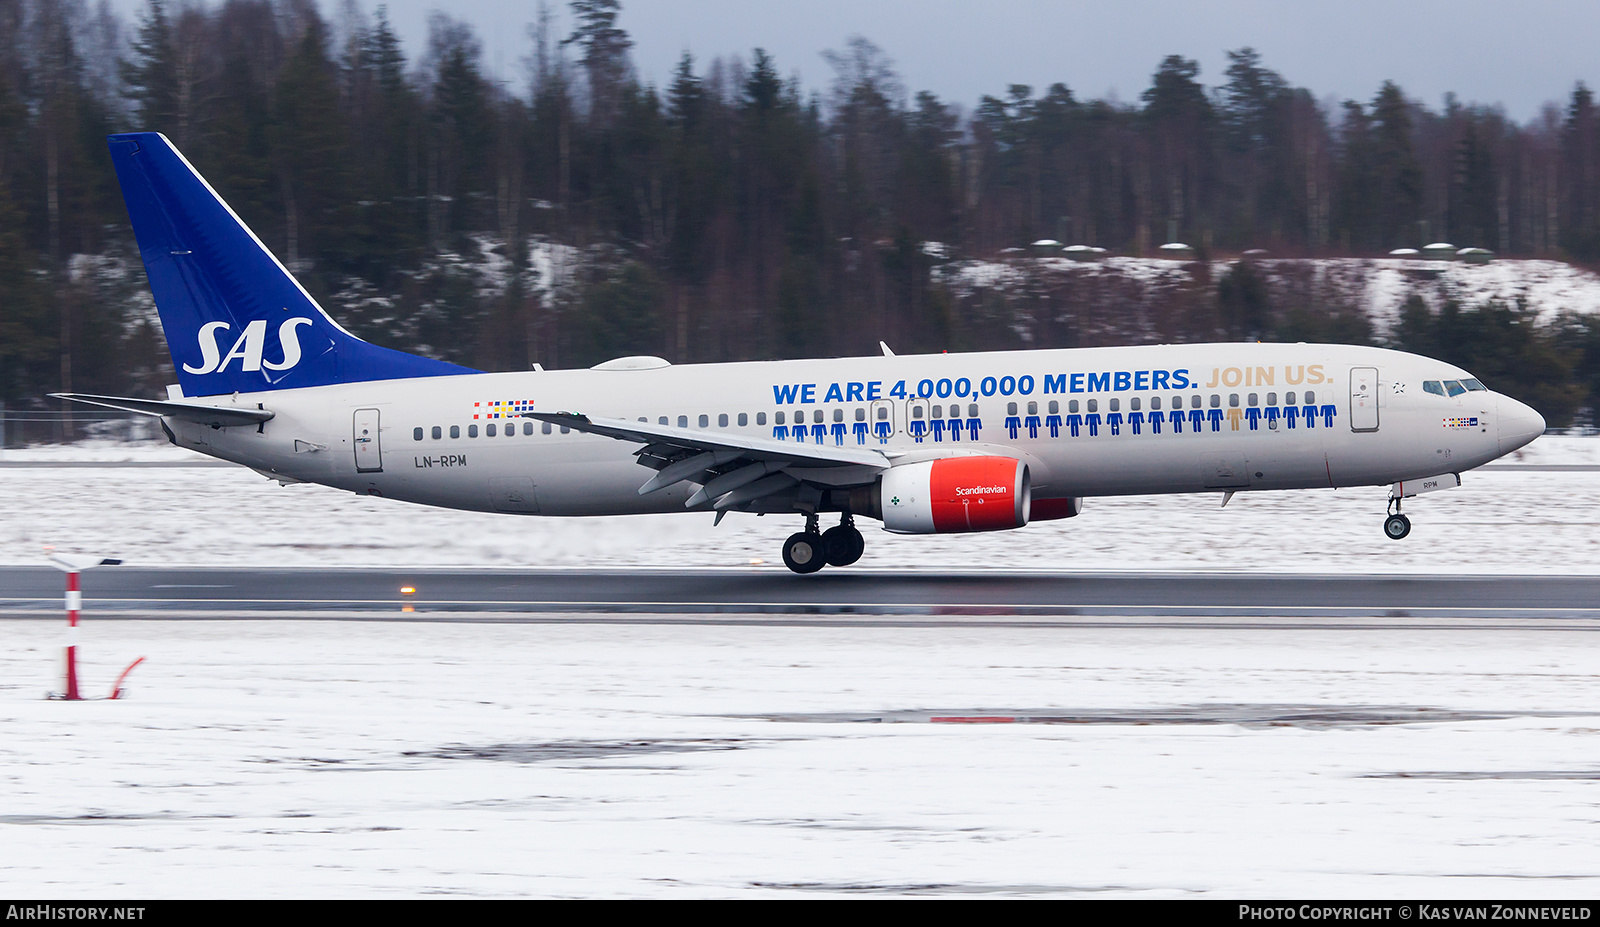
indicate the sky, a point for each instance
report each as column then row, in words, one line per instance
column 1518, row 56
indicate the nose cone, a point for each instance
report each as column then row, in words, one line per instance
column 1519, row 424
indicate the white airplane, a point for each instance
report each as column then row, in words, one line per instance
column 926, row 444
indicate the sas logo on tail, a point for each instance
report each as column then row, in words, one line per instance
column 248, row 347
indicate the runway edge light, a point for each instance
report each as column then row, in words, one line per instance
column 72, row 565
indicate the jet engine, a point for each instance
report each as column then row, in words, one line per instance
column 955, row 494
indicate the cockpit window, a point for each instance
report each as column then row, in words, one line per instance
column 1433, row 386
column 1454, row 387
column 1473, row 384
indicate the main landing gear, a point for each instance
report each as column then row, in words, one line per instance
column 1396, row 526
column 809, row 550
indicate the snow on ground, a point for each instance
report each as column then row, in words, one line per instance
column 267, row 759
column 1514, row 521
column 1381, row 285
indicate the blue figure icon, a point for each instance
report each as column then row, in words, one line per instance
column 820, row 433
column 1135, row 420
column 973, row 426
column 1290, row 415
column 1328, row 412
column 1074, row 422
column 884, row 431
column 1012, row 424
column 1310, row 413
column 1114, row 422
column 918, row 428
column 1197, row 420
column 1032, row 423
column 1271, row 412
column 1253, row 416
column 1053, row 422
column 938, row 429
column 861, row 432
column 839, row 430
column 1093, row 421
column 1216, row 419
column 781, row 432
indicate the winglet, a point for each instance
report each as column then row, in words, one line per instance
column 887, row 351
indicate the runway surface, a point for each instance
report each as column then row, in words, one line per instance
column 769, row 593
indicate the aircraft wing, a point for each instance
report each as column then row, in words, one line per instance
column 215, row 416
column 730, row 468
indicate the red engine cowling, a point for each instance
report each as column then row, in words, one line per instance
column 956, row 494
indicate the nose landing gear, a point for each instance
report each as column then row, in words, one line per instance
column 1396, row 526
column 809, row 551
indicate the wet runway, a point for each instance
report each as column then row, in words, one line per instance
column 770, row 594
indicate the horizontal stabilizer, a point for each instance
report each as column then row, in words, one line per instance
column 199, row 413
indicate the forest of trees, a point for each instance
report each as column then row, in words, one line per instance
column 730, row 214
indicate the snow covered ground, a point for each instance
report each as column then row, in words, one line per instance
column 380, row 759
column 364, row 759
column 1508, row 521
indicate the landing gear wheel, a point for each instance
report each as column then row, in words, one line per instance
column 1396, row 527
column 843, row 545
column 805, row 552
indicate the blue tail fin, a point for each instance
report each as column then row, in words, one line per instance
column 236, row 320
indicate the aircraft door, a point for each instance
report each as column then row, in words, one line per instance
column 1363, row 399
column 369, row 452
column 883, row 423
column 917, row 419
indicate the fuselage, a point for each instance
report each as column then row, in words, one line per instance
column 1087, row 422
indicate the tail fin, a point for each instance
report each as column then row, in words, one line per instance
column 217, row 285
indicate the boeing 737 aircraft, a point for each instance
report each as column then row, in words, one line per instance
column 925, row 444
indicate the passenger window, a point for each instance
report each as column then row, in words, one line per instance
column 1311, row 398
column 546, row 428
column 722, row 420
column 938, row 411
column 488, row 431
column 527, row 428
column 1033, row 408
column 705, row 421
column 455, row 431
column 1011, row 408
column 883, row 413
column 972, row 410
column 916, row 412
column 1454, row 387
column 1216, row 401
column 838, row 415
column 437, row 432
column 1194, row 401
column 777, row 418
column 1134, row 403
column 744, row 419
column 1072, row 406
column 1177, row 402
column 1288, row 399
column 683, row 421
column 1155, row 403
column 1233, row 400
column 565, row 429
column 662, row 421
column 511, row 430
column 416, row 434
column 861, row 414
column 472, row 431
column 1433, row 386
column 1254, row 400
column 1272, row 399
column 816, row 416
column 1094, row 406
column 1114, row 405
column 761, row 418
column 1055, row 407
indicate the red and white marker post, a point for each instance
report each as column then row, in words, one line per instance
column 72, row 565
